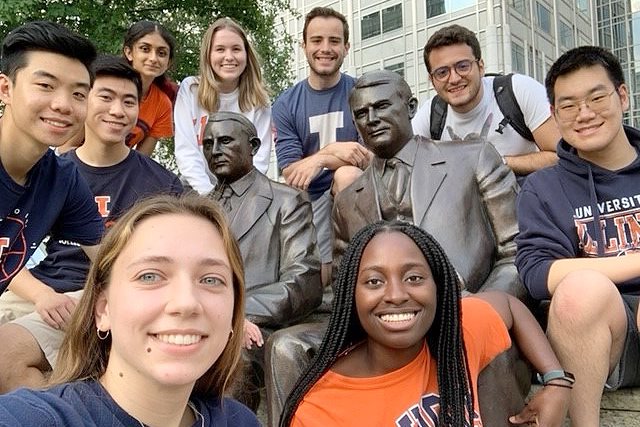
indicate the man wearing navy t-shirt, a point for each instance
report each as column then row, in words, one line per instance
column 44, row 82
column 315, row 135
column 118, row 177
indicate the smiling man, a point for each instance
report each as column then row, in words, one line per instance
column 117, row 177
column 579, row 230
column 456, row 69
column 314, row 132
column 44, row 82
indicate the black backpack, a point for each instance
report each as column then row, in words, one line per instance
column 503, row 90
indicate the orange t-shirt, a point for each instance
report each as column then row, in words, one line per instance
column 154, row 119
column 408, row 396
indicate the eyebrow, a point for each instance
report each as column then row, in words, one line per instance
column 590, row 92
column 379, row 267
column 113, row 92
column 42, row 73
column 159, row 259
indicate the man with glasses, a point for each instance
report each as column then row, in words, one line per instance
column 456, row 70
column 580, row 230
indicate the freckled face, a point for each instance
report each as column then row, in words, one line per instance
column 395, row 293
column 169, row 302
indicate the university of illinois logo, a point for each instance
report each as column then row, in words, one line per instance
column 13, row 250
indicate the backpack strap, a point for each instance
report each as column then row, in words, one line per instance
column 438, row 117
column 508, row 104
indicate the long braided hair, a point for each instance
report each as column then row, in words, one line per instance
column 444, row 338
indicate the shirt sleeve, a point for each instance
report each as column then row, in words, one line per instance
column 485, row 334
column 263, row 126
column 163, row 123
column 532, row 99
column 188, row 150
column 80, row 220
column 288, row 143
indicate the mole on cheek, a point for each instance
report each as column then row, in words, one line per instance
column 120, row 374
column 148, row 349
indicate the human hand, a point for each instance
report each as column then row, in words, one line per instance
column 300, row 173
column 351, row 153
column 252, row 334
column 547, row 408
column 55, row 308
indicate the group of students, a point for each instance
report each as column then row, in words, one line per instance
column 156, row 336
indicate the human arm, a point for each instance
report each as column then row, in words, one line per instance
column 188, row 119
column 546, row 138
column 53, row 307
column 297, row 290
column 549, row 405
column 147, row 145
column 262, row 122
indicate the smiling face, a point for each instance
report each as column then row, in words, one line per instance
column 47, row 101
column 150, row 55
column 112, row 110
column 228, row 150
column 596, row 136
column 463, row 93
column 383, row 118
column 395, row 294
column 325, row 47
column 169, row 311
column 228, row 58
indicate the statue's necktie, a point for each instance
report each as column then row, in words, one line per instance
column 398, row 177
column 223, row 195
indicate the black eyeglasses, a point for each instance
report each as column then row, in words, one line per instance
column 462, row 69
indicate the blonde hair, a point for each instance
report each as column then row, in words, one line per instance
column 84, row 356
column 253, row 93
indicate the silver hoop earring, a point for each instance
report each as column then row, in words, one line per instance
column 102, row 335
column 231, row 334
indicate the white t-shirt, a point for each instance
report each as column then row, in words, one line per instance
column 531, row 97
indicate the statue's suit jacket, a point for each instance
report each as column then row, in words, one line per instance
column 462, row 194
column 274, row 229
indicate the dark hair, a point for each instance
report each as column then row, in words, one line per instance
column 141, row 29
column 43, row 36
column 444, row 338
column 583, row 57
column 449, row 36
column 117, row 66
column 325, row 12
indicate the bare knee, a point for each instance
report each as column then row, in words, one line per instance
column 343, row 177
column 19, row 353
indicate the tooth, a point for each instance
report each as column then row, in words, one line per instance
column 179, row 339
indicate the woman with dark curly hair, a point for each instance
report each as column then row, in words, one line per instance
column 402, row 348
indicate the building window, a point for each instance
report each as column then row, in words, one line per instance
column 566, row 35
column 544, row 18
column 370, row 25
column 435, row 8
column 517, row 59
column 519, row 5
column 392, row 18
column 398, row 68
column 583, row 6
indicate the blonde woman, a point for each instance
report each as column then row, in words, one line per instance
column 229, row 80
column 156, row 337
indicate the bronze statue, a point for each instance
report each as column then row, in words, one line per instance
column 458, row 191
column 272, row 223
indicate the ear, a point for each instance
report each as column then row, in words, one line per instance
column 412, row 105
column 623, row 93
column 255, row 145
column 6, row 87
column 481, row 67
column 103, row 319
column 347, row 46
column 127, row 53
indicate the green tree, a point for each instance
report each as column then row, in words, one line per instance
column 106, row 21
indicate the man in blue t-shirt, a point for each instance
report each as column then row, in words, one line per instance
column 579, row 223
column 315, row 134
column 44, row 82
column 118, row 177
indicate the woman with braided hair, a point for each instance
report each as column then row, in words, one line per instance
column 402, row 348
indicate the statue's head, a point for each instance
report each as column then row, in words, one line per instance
column 382, row 107
column 229, row 143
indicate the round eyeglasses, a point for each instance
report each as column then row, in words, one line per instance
column 462, row 68
column 597, row 102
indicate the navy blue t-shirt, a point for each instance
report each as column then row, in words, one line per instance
column 87, row 403
column 115, row 189
column 55, row 199
column 306, row 120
